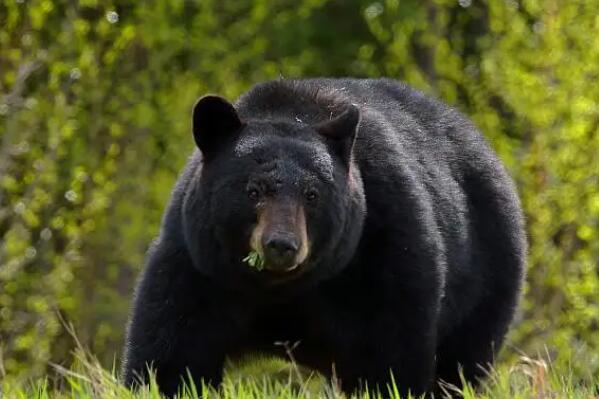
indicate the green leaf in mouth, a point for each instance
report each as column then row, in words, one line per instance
column 254, row 260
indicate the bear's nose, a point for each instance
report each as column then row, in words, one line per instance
column 280, row 250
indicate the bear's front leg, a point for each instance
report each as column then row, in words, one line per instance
column 177, row 346
column 178, row 327
column 190, row 349
column 197, row 353
column 389, row 351
column 402, row 286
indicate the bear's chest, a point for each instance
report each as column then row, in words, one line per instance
column 279, row 323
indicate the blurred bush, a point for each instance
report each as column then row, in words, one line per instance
column 94, row 126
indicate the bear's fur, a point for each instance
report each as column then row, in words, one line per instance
column 392, row 234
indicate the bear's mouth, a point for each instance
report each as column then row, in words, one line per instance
column 282, row 271
column 277, row 276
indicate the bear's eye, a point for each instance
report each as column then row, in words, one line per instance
column 253, row 193
column 311, row 196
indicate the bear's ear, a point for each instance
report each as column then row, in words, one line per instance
column 341, row 131
column 214, row 121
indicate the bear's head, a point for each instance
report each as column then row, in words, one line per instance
column 286, row 192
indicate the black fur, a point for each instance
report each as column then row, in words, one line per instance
column 417, row 242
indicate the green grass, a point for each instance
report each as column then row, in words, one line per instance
column 266, row 378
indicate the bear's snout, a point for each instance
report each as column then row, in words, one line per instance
column 280, row 236
column 280, row 250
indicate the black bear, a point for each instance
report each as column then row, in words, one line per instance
column 360, row 218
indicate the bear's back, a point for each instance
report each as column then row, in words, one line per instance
column 393, row 114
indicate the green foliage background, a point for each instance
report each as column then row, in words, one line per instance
column 95, row 98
